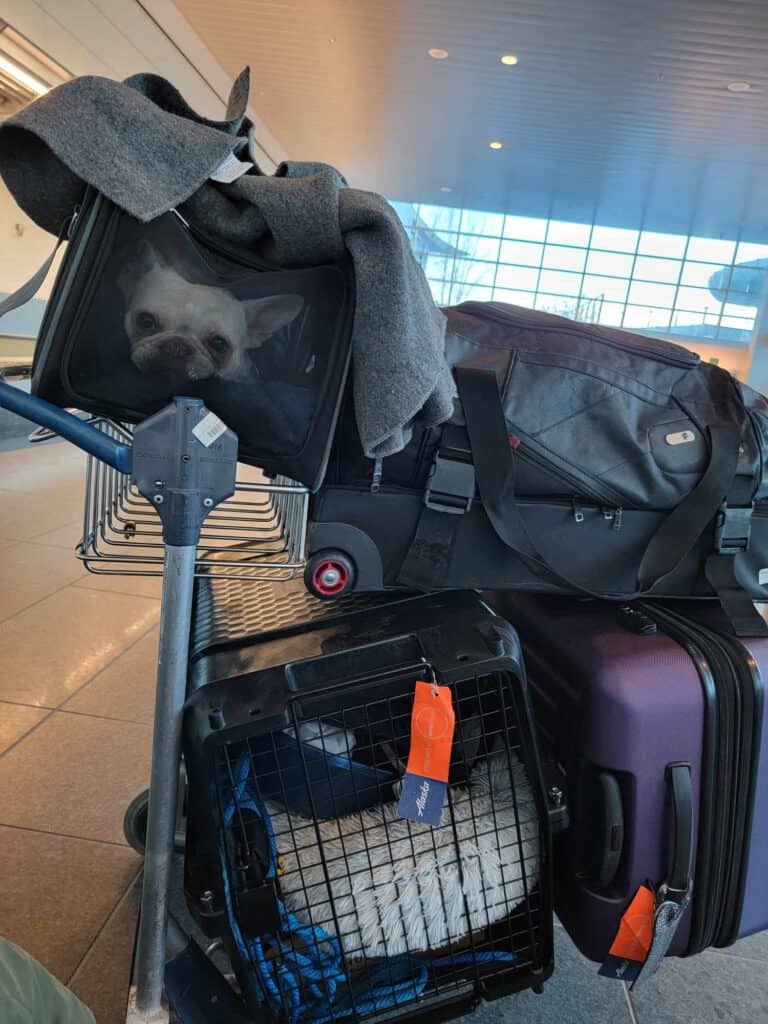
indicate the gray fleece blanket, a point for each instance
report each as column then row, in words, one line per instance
column 142, row 146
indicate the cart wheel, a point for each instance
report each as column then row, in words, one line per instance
column 135, row 822
column 135, row 825
column 329, row 574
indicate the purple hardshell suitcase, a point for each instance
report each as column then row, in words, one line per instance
column 647, row 707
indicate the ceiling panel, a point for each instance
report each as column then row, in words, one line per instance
column 617, row 111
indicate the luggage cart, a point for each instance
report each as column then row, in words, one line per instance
column 182, row 461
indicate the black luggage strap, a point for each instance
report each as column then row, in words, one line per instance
column 427, row 562
column 451, row 485
column 720, row 570
column 449, row 493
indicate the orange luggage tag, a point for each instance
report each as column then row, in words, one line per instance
column 632, row 944
column 426, row 775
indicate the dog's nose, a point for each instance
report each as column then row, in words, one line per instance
column 176, row 348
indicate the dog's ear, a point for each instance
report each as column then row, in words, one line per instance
column 136, row 265
column 265, row 316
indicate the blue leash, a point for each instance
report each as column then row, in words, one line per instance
column 311, row 981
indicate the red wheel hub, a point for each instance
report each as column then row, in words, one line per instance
column 330, row 578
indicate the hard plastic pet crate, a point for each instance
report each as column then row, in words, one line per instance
column 331, row 906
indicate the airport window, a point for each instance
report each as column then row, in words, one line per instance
column 688, row 286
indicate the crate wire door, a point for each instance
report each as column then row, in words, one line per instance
column 260, row 533
column 492, row 943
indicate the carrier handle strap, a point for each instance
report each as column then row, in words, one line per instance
column 495, row 469
column 32, row 285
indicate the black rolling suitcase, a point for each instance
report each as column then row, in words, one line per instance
column 331, row 906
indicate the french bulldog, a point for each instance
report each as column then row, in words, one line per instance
column 190, row 332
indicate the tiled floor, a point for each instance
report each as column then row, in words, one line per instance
column 76, row 674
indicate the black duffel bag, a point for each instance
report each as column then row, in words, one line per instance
column 580, row 459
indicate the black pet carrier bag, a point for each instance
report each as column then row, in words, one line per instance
column 142, row 312
column 332, row 906
column 580, row 459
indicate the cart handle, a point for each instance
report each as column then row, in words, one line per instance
column 90, row 439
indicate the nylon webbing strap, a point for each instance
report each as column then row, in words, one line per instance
column 426, row 565
column 685, row 524
column 720, row 570
column 31, row 287
column 495, row 469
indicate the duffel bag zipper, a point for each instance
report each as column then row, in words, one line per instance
column 653, row 351
column 612, row 514
column 526, row 448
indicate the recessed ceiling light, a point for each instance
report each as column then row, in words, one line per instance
column 446, row 188
column 437, row 53
column 495, row 144
column 509, row 59
column 738, row 87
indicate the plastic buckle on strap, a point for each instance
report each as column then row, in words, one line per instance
column 732, row 529
column 451, row 486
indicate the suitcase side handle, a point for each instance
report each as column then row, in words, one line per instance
column 680, row 787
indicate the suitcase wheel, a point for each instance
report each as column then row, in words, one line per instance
column 329, row 574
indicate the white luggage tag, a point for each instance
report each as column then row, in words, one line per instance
column 230, row 169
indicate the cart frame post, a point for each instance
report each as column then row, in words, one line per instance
column 173, row 654
column 184, row 463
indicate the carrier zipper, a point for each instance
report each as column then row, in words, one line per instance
column 73, row 218
column 654, row 350
column 229, row 252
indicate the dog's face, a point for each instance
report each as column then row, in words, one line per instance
column 188, row 331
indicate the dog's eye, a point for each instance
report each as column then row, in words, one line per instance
column 145, row 321
column 218, row 344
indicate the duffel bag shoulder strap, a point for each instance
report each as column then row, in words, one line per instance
column 494, row 467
